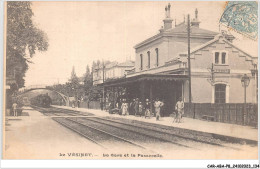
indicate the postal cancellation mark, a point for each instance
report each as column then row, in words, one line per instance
column 242, row 17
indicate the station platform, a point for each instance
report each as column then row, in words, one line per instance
column 219, row 130
column 37, row 136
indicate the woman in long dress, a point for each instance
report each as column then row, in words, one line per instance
column 147, row 107
column 124, row 108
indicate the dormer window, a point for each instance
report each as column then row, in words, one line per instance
column 148, row 60
column 220, row 58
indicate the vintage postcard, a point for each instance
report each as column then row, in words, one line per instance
column 131, row 80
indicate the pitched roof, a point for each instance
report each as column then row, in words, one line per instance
column 112, row 64
column 128, row 63
column 182, row 29
column 253, row 58
column 179, row 30
column 193, row 50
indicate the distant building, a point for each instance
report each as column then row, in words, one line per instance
column 112, row 70
column 161, row 69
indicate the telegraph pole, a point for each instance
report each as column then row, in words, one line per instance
column 189, row 66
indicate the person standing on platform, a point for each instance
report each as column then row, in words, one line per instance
column 14, row 107
column 78, row 103
column 157, row 106
column 147, row 107
column 136, row 107
column 74, row 102
column 140, row 109
column 110, row 107
column 120, row 106
column 180, row 109
column 132, row 107
column 124, row 108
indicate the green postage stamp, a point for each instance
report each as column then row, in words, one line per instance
column 242, row 17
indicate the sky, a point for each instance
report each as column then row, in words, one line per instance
column 82, row 32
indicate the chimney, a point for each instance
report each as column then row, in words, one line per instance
column 195, row 22
column 168, row 20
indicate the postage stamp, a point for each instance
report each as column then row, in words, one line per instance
column 242, row 17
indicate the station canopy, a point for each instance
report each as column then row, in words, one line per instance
column 143, row 77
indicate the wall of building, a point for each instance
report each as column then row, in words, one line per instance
column 203, row 91
column 110, row 73
column 117, row 72
column 169, row 48
column 238, row 63
column 162, row 48
column 180, row 44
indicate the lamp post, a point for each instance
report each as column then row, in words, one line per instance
column 245, row 80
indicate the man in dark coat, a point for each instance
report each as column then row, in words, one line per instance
column 132, row 107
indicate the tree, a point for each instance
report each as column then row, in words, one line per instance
column 22, row 37
column 88, row 81
column 88, row 84
column 73, row 78
column 98, row 63
column 74, row 83
column 93, row 65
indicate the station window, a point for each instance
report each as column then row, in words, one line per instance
column 223, row 58
column 141, row 62
column 216, row 57
column 157, row 56
column 148, row 60
column 220, row 58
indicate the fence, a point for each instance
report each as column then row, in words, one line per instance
column 226, row 113
column 90, row 105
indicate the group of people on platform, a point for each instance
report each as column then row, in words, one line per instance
column 138, row 108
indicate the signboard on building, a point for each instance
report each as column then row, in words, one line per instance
column 227, row 71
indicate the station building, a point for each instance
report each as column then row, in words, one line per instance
column 161, row 67
column 111, row 70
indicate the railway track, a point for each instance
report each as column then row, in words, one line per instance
column 140, row 138
column 108, row 132
column 75, row 112
column 98, row 136
column 53, row 111
column 143, row 135
column 157, row 132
